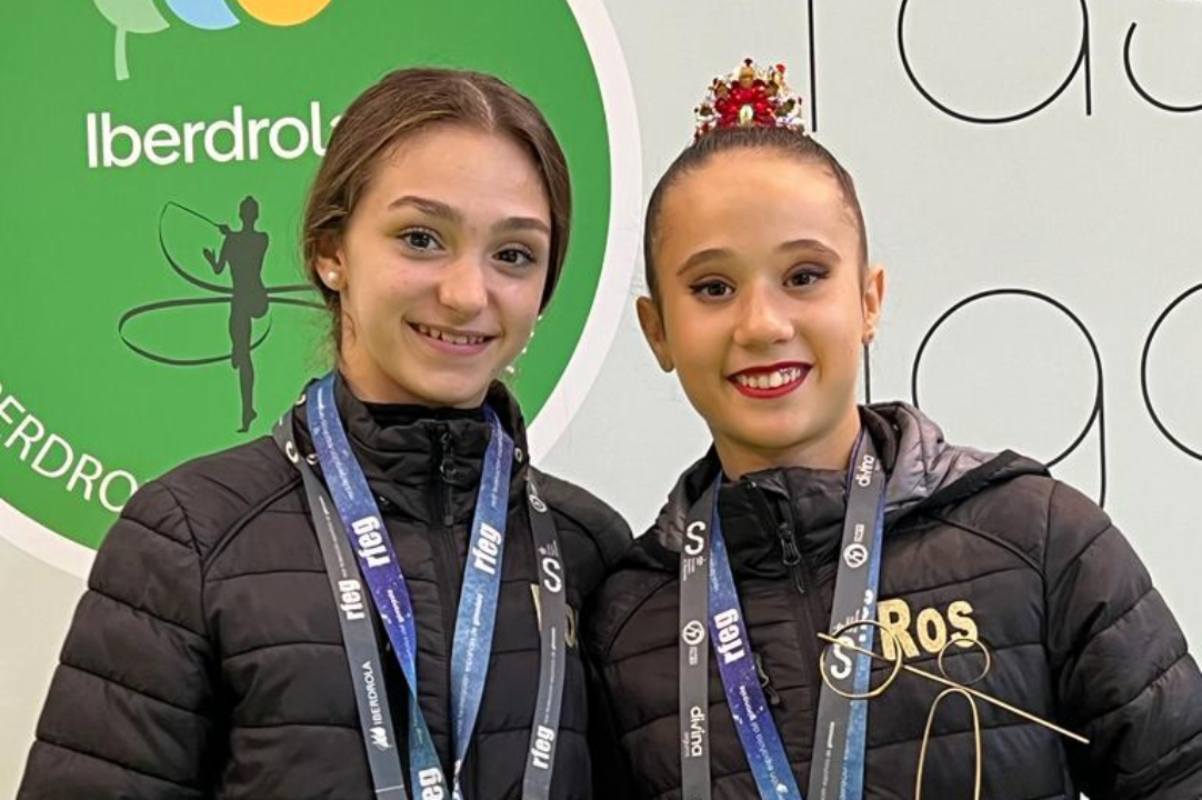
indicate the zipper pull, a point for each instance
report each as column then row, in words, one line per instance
column 446, row 471
column 770, row 692
column 444, row 454
column 791, row 556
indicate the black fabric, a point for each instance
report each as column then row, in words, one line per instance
column 973, row 544
column 205, row 659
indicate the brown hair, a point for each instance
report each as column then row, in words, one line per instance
column 401, row 104
column 789, row 142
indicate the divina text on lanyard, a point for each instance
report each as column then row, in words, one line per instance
column 356, row 547
column 710, row 610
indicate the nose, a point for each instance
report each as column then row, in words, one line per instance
column 462, row 288
column 763, row 320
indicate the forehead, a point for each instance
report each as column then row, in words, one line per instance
column 749, row 200
column 462, row 166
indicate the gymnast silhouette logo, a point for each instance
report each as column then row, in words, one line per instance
column 244, row 252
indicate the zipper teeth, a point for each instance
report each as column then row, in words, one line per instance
column 445, row 470
column 800, row 572
column 810, row 648
column 446, row 560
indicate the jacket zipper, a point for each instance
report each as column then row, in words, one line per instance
column 791, row 556
column 446, row 558
column 802, row 578
column 445, row 470
column 809, row 643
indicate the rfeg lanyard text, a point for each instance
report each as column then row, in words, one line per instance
column 710, row 609
column 363, row 529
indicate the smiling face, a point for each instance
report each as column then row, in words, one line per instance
column 441, row 267
column 763, row 307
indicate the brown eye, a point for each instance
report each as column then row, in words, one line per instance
column 419, row 239
column 711, row 289
column 806, row 277
column 516, row 256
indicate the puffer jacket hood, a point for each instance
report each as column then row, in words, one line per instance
column 921, row 468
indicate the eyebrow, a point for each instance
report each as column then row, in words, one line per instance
column 810, row 244
column 513, row 224
column 437, row 208
column 434, row 208
column 717, row 253
column 702, row 256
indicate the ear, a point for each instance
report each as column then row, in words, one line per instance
column 332, row 264
column 652, row 323
column 872, row 300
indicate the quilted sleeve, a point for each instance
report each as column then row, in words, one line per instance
column 1124, row 676
column 130, row 712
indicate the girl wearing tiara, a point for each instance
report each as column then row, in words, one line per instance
column 812, row 516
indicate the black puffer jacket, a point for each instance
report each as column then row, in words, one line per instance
column 206, row 660
column 977, row 545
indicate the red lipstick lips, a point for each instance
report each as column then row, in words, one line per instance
column 770, row 381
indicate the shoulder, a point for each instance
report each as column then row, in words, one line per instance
column 1034, row 513
column 580, row 510
column 153, row 558
column 204, row 498
column 645, row 585
column 638, row 584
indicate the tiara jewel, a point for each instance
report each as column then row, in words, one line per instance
column 749, row 97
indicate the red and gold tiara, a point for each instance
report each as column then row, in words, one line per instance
column 749, row 97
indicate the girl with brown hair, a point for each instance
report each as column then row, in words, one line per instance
column 380, row 599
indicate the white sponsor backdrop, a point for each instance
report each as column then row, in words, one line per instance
column 1073, row 224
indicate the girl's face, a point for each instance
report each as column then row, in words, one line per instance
column 763, row 309
column 441, row 268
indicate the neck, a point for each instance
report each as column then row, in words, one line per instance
column 832, row 450
column 390, row 414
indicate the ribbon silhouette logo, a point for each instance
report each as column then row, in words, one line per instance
column 242, row 251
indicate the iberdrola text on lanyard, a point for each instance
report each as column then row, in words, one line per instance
column 356, row 547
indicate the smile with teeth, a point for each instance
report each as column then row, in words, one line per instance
column 769, row 380
column 449, row 336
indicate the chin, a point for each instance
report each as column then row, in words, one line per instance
column 457, row 394
column 773, row 434
column 440, row 390
column 464, row 399
column 777, row 441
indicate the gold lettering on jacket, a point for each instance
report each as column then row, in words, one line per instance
column 929, row 629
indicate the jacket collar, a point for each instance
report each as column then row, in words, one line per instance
column 426, row 463
column 919, row 465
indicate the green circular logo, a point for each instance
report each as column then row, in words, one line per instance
column 157, row 158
